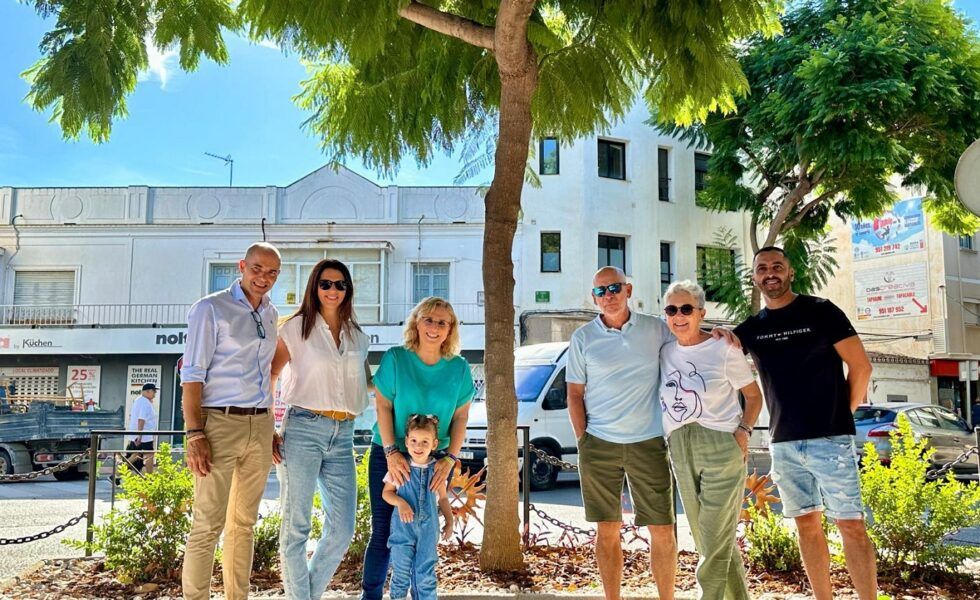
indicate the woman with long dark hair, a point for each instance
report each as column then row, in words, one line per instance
column 322, row 355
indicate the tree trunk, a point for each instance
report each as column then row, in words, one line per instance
column 519, row 76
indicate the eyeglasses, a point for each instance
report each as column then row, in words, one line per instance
column 326, row 284
column 440, row 323
column 687, row 310
column 613, row 288
column 259, row 328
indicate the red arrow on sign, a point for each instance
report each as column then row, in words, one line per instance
column 922, row 308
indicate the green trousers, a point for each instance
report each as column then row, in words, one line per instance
column 710, row 474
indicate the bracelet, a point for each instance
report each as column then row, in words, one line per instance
column 389, row 449
column 745, row 428
column 195, row 430
column 195, row 435
column 452, row 456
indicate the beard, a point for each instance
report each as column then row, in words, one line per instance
column 777, row 291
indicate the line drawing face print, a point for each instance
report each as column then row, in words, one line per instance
column 686, row 390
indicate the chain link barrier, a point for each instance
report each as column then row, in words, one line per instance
column 44, row 534
column 62, row 466
column 939, row 472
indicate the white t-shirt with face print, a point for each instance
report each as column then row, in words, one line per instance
column 700, row 383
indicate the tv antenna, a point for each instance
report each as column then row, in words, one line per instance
column 229, row 162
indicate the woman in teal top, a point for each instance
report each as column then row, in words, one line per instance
column 424, row 376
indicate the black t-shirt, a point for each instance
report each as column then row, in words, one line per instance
column 802, row 374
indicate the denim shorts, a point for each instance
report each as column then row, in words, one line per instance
column 819, row 474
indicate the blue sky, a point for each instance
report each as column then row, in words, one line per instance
column 243, row 109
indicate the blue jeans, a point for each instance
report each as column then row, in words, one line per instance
column 413, row 545
column 317, row 452
column 819, row 474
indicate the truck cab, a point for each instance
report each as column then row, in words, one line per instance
column 539, row 378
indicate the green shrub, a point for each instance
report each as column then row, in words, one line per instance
column 144, row 540
column 266, row 541
column 912, row 516
column 771, row 545
column 362, row 518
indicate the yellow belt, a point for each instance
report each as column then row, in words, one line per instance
column 336, row 415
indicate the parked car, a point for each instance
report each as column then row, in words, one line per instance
column 542, row 405
column 944, row 430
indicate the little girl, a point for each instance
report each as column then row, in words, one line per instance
column 415, row 526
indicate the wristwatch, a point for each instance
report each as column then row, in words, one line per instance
column 390, row 449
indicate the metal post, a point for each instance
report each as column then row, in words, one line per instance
column 976, row 430
column 93, row 467
column 526, row 485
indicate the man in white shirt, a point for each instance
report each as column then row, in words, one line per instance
column 227, row 404
column 142, row 417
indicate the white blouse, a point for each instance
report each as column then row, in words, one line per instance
column 321, row 376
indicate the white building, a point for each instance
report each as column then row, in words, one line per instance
column 96, row 282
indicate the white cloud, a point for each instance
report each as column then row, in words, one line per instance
column 160, row 63
column 267, row 43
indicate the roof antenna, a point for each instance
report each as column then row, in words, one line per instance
column 229, row 162
column 263, row 229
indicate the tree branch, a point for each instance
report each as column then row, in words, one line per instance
column 809, row 206
column 461, row 28
column 758, row 165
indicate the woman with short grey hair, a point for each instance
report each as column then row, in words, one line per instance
column 707, row 435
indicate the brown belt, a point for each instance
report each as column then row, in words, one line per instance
column 237, row 410
column 336, row 415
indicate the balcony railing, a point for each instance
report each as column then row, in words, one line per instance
column 175, row 315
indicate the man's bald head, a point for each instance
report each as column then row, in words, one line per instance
column 607, row 275
column 264, row 248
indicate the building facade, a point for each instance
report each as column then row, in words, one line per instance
column 913, row 293
column 96, row 282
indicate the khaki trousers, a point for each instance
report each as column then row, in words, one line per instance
column 228, row 500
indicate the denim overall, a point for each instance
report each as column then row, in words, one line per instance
column 413, row 545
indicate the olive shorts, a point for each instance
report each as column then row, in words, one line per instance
column 604, row 466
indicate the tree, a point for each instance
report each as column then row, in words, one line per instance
column 391, row 79
column 854, row 96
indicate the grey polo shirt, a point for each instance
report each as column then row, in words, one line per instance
column 621, row 372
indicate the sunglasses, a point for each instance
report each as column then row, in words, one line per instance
column 440, row 323
column 259, row 328
column 613, row 288
column 687, row 310
column 326, row 284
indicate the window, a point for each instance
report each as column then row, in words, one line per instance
column 297, row 264
column 666, row 271
column 556, row 398
column 43, row 297
column 550, row 252
column 612, row 251
column 714, row 265
column 548, row 156
column 949, row 421
column 663, row 179
column 896, row 398
column 700, row 170
column 966, row 242
column 430, row 279
column 924, row 417
column 612, row 159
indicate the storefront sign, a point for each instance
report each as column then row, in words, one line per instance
column 893, row 292
column 898, row 231
column 84, row 382
column 147, row 340
column 137, row 376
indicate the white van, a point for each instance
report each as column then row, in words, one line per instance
column 539, row 378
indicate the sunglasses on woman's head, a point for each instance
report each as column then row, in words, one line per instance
column 326, row 284
column 612, row 288
column 687, row 310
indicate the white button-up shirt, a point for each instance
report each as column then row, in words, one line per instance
column 225, row 352
column 321, row 376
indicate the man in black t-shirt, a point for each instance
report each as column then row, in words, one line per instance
column 800, row 345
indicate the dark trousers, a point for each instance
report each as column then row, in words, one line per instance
column 377, row 555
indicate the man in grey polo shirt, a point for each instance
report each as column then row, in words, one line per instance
column 613, row 376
